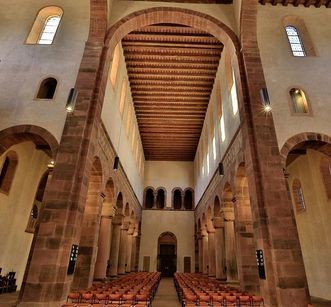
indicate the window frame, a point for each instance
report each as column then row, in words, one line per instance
column 298, row 35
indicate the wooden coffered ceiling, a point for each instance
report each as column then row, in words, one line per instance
column 306, row 3
column 171, row 70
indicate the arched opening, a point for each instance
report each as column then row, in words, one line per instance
column 88, row 244
column 188, row 199
column 108, row 210
column 177, row 199
column 248, row 274
column 47, row 88
column 160, row 199
column 306, row 167
column 229, row 231
column 7, row 173
column 149, row 198
column 37, row 203
column 167, row 254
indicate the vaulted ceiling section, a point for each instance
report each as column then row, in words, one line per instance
column 171, row 70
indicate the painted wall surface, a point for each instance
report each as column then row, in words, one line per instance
column 313, row 224
column 154, row 223
column 284, row 71
column 116, row 127
column 15, row 208
column 24, row 66
column 224, row 13
column 169, row 174
column 220, row 98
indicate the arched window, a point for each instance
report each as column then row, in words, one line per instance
column 177, row 199
column 160, row 199
column 326, row 175
column 234, row 96
column 299, row 101
column 222, row 128
column 298, row 196
column 188, row 199
column 123, row 96
column 114, row 65
column 47, row 88
column 295, row 41
column 149, row 198
column 8, row 172
column 45, row 26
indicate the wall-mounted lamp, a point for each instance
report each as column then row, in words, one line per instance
column 71, row 101
column 51, row 164
column 221, row 169
column 116, row 163
column 265, row 99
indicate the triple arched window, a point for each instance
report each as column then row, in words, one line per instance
column 45, row 26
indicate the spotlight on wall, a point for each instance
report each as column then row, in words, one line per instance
column 71, row 101
column 116, row 163
column 265, row 99
column 221, row 169
column 51, row 164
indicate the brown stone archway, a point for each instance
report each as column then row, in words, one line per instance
column 42, row 138
column 313, row 140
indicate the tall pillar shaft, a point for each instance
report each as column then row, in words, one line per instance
column 200, row 253
column 123, row 249
column 205, row 259
column 115, row 246
column 219, row 248
column 103, row 247
column 128, row 253
column 230, row 247
column 134, row 253
column 211, row 254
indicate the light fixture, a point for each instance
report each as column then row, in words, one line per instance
column 265, row 99
column 116, row 163
column 51, row 164
column 71, row 101
column 221, row 169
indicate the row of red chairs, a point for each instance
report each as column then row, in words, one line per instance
column 135, row 289
column 198, row 290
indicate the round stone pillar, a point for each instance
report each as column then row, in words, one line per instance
column 230, row 249
column 219, row 248
column 115, row 245
column 129, row 248
column 123, row 248
column 205, row 259
column 200, row 252
column 211, row 253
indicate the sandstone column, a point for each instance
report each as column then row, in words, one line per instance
column 129, row 248
column 211, row 253
column 230, row 247
column 123, row 248
column 200, row 252
column 115, row 245
column 104, row 242
column 205, row 259
column 134, row 250
column 154, row 200
column 219, row 248
column 183, row 199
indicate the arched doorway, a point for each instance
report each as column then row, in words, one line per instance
column 167, row 254
column 307, row 169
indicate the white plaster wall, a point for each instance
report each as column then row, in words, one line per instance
column 115, row 125
column 224, row 13
column 231, row 122
column 283, row 71
column 313, row 224
column 154, row 223
column 15, row 208
column 24, row 66
column 169, row 174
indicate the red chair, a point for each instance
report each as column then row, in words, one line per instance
column 230, row 301
column 73, row 297
column 87, row 298
column 101, row 298
column 217, row 300
column 203, row 300
column 115, row 298
column 257, row 301
column 244, row 301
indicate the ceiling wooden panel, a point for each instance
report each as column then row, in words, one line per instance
column 171, row 70
column 306, row 3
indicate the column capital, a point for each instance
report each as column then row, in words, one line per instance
column 218, row 222
column 117, row 220
column 228, row 214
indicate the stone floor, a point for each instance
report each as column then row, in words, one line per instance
column 166, row 295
